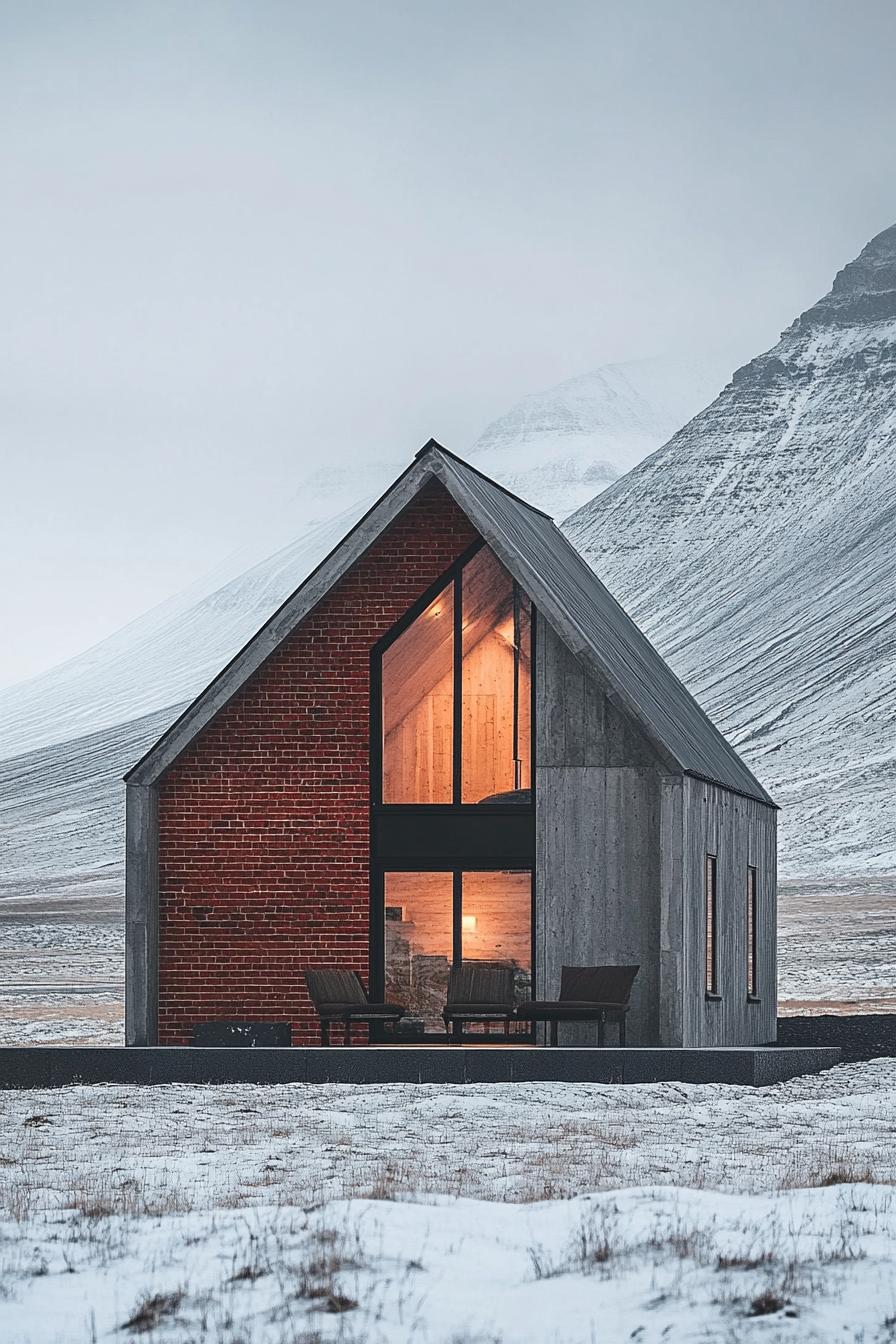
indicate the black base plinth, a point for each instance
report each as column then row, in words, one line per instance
column 239, row 1035
column 61, row 1066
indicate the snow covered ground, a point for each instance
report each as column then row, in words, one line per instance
column 61, row 974
column 837, row 945
column 556, row 1213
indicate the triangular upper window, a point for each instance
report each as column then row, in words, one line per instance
column 457, row 694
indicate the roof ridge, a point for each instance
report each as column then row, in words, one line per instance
column 434, row 445
column 564, row 588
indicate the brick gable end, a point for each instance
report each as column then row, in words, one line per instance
column 264, row 847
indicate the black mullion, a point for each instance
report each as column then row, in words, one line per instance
column 533, row 930
column 375, row 757
column 457, row 933
column 426, row 598
column 376, row 978
column 516, row 685
column 457, row 782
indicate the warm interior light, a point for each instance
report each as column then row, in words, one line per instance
column 505, row 633
column 468, row 923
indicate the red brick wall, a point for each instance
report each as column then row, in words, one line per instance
column 264, row 820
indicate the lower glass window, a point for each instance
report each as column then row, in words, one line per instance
column 433, row 920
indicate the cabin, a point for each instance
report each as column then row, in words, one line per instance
column 449, row 745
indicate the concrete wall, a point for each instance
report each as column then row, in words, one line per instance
column 621, row 844
column 700, row 819
column 141, row 980
column 598, row 807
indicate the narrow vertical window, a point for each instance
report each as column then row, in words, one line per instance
column 712, row 950
column 752, row 923
column 418, row 707
column 496, row 686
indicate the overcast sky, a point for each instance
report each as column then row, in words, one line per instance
column 242, row 239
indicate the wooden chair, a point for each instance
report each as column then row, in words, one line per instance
column 598, row 994
column 339, row 996
column 478, row 991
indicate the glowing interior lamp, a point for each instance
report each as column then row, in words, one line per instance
column 468, row 923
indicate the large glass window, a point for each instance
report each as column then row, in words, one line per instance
column 496, row 923
column 419, row 942
column 418, row 708
column 476, row 636
column 433, row 920
column 496, row 682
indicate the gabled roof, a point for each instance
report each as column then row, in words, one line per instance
column 563, row 588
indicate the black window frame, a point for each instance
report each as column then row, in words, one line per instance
column 453, row 837
column 378, row 928
column 452, row 576
column 711, row 927
column 752, row 932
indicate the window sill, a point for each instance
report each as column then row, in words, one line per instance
column 712, row 998
column 753, row 998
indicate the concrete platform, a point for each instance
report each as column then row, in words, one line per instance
column 62, row 1066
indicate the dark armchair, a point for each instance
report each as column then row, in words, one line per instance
column 479, row 992
column 339, row 996
column 598, row 994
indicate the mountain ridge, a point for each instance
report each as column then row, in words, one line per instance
column 756, row 548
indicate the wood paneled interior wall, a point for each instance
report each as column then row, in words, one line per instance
column 417, row 751
column 418, row 707
column 598, row 783
column 487, row 718
column 742, row 833
column 417, row 754
column 501, row 905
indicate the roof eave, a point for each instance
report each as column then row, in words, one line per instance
column 279, row 626
column 759, row 795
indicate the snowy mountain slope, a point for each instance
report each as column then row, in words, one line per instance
column 66, row 737
column 167, row 655
column 62, row 813
column 560, row 447
column 758, row 549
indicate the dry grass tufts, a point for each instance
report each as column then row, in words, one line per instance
column 844, row 1176
column 744, row 1262
column 832, row 1166
column 335, row 1303
column 151, row 1311
column 333, row 1252
column 591, row 1247
column 767, row 1304
column 248, row 1274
